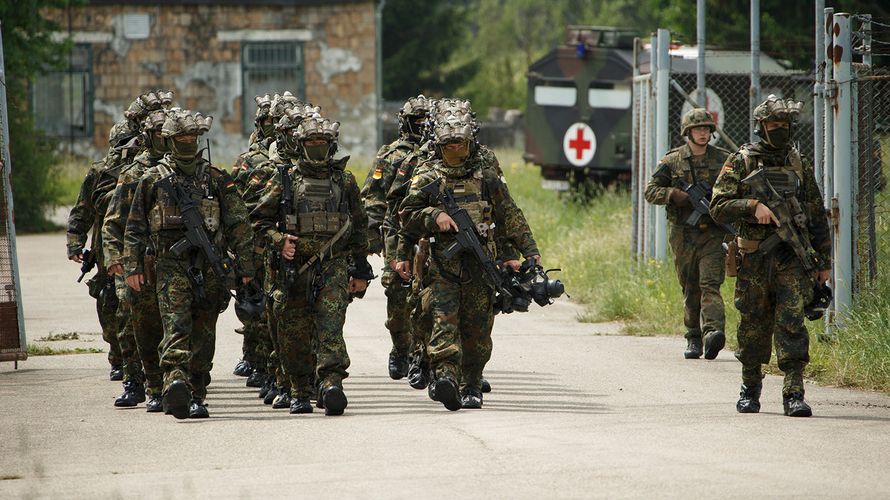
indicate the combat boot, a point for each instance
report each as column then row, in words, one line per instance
column 116, row 374
column 714, row 342
column 268, row 384
column 471, row 398
column 333, row 399
column 300, row 405
column 486, row 387
column 198, row 409
column 257, row 378
column 795, row 406
column 134, row 393
column 693, row 348
column 444, row 390
column 243, row 368
column 155, row 404
column 271, row 394
column 749, row 399
column 398, row 365
column 282, row 400
column 418, row 373
column 177, row 399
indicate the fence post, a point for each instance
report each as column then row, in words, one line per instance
column 700, row 63
column 661, row 132
column 754, row 93
column 818, row 93
column 842, row 203
column 636, row 177
column 650, row 143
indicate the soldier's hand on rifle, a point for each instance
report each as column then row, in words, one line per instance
column 289, row 250
column 764, row 215
column 78, row 257
column 823, row 275
column 403, row 268
column 135, row 281
column 116, row 269
column 446, row 223
column 513, row 264
column 357, row 285
column 679, row 198
column 246, row 279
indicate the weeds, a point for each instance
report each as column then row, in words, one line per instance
column 40, row 350
column 54, row 337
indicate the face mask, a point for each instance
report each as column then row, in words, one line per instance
column 157, row 145
column 291, row 144
column 779, row 137
column 268, row 130
column 455, row 158
column 184, row 151
column 317, row 153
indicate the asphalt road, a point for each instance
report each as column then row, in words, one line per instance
column 576, row 412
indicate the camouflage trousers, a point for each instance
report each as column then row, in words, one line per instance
column 107, row 319
column 148, row 331
column 305, row 327
column 770, row 294
column 461, row 319
column 126, row 336
column 256, row 346
column 398, row 312
column 699, row 260
column 189, row 342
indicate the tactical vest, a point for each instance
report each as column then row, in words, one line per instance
column 787, row 181
column 166, row 216
column 470, row 194
column 319, row 208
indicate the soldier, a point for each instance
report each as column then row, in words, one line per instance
column 138, row 312
column 312, row 215
column 191, row 214
column 389, row 164
column 770, row 190
column 89, row 210
column 456, row 297
column 697, row 244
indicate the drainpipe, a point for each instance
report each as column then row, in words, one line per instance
column 378, row 36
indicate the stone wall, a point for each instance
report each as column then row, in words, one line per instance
column 195, row 50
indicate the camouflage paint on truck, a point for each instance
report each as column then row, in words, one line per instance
column 586, row 81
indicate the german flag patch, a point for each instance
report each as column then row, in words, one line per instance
column 378, row 172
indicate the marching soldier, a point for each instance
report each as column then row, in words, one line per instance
column 191, row 214
column 696, row 240
column 770, row 191
column 312, row 215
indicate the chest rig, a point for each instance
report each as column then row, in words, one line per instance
column 470, row 193
column 318, row 207
column 786, row 179
column 165, row 215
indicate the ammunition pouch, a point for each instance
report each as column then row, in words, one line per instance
column 731, row 265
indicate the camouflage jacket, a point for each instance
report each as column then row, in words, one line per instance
column 154, row 218
column 732, row 201
column 388, row 165
column 419, row 210
column 679, row 163
column 247, row 162
column 119, row 207
column 267, row 213
column 89, row 210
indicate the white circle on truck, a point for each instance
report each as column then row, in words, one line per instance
column 579, row 144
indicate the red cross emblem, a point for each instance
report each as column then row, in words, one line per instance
column 579, row 144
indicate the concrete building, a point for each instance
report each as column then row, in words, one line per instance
column 216, row 56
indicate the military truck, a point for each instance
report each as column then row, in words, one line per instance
column 578, row 112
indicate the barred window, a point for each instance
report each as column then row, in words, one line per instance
column 267, row 68
column 62, row 99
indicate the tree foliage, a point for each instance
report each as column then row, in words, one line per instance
column 28, row 49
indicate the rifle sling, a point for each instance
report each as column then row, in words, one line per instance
column 327, row 246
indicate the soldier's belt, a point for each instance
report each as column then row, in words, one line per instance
column 748, row 246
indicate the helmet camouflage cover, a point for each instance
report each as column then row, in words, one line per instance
column 147, row 102
column 777, row 109
column 411, row 111
column 696, row 117
column 263, row 104
column 453, row 120
column 282, row 102
column 295, row 115
column 155, row 120
column 121, row 132
column 318, row 127
column 183, row 122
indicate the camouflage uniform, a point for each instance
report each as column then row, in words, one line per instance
column 698, row 250
column 455, row 296
column 326, row 207
column 772, row 289
column 186, row 351
column 138, row 311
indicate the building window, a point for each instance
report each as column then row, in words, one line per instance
column 267, row 68
column 62, row 100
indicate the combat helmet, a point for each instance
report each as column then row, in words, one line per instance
column 280, row 103
column 413, row 111
column 147, row 102
column 122, row 134
column 776, row 109
column 316, row 127
column 263, row 104
column 151, row 124
column 183, row 122
column 287, row 125
column 696, row 117
column 453, row 121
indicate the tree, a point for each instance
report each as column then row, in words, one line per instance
column 28, row 49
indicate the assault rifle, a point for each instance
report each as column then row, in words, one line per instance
column 790, row 215
column 700, row 197
column 286, row 267
column 88, row 262
column 466, row 238
column 195, row 236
